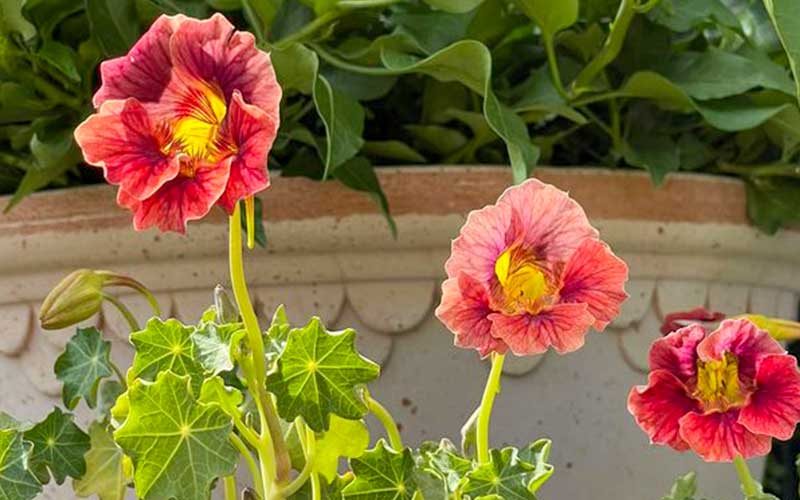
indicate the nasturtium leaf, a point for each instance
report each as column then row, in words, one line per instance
column 178, row 445
column 318, row 373
column 382, row 474
column 165, row 345
column 215, row 391
column 536, row 454
column 506, row 475
column 108, row 471
column 84, row 362
column 212, row 345
column 684, row 488
column 344, row 438
column 443, row 460
column 58, row 448
column 16, row 481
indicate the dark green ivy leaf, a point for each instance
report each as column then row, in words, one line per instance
column 58, row 448
column 16, row 481
column 318, row 373
column 80, row 368
column 382, row 474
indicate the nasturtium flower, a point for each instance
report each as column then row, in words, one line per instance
column 529, row 273
column 722, row 395
column 184, row 121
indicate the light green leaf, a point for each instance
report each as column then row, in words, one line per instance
column 392, row 150
column 16, row 481
column 113, row 24
column 80, row 368
column 470, row 63
column 213, row 345
column 108, row 471
column 684, row 488
column 110, row 390
column 12, row 20
column 328, row 491
column 178, row 445
column 215, row 391
column 443, row 460
column 165, row 345
column 650, row 85
column 785, row 15
column 541, row 96
column 506, row 475
column 537, row 454
column 382, row 474
column 345, row 438
column 318, row 374
column 47, row 14
column 552, row 16
column 61, row 57
column 455, row 6
column 438, row 139
column 737, row 113
column 58, row 447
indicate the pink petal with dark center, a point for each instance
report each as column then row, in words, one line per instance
column 596, row 277
column 121, row 139
column 743, row 339
column 718, row 437
column 659, row 406
column 677, row 352
column 774, row 407
column 252, row 132
column 562, row 326
column 464, row 310
column 480, row 243
column 183, row 199
column 145, row 70
column 552, row 225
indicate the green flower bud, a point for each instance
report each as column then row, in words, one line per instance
column 779, row 329
column 76, row 298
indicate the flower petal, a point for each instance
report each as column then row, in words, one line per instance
column 252, row 132
column 464, row 310
column 562, row 326
column 145, row 70
column 596, row 277
column 774, row 407
column 211, row 50
column 718, row 437
column 677, row 352
column 550, row 222
column 183, row 199
column 742, row 338
column 659, row 406
column 121, row 139
column 480, row 243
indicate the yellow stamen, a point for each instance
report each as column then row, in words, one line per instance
column 523, row 283
column 196, row 132
column 718, row 382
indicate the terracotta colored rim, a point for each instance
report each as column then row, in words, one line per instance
column 605, row 194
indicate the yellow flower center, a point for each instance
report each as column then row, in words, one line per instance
column 195, row 132
column 523, row 286
column 718, row 383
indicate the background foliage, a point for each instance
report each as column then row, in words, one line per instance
column 692, row 85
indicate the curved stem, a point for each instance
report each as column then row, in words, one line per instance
column 316, row 491
column 121, row 376
column 487, row 402
column 124, row 311
column 552, row 63
column 309, row 441
column 117, row 280
column 255, row 473
column 334, row 60
column 229, row 483
column 749, row 486
column 309, row 29
column 382, row 414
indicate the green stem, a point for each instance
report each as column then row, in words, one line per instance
column 15, row 161
column 230, row 487
column 382, row 414
column 749, row 486
column 774, row 170
column 487, row 402
column 250, row 216
column 316, row 491
column 611, row 47
column 122, row 381
column 552, row 63
column 309, row 441
column 118, row 280
column 310, row 28
column 340, row 63
column 124, row 311
column 51, row 91
column 255, row 473
column 616, row 135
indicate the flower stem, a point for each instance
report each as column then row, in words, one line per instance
column 487, row 402
column 316, row 491
column 121, row 376
column 124, row 311
column 382, row 414
column 230, row 487
column 308, row 441
column 250, row 215
column 749, row 486
column 251, row 463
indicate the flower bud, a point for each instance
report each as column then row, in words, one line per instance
column 76, row 298
column 227, row 312
column 778, row 329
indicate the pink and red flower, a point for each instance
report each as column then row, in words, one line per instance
column 722, row 395
column 529, row 273
column 185, row 121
